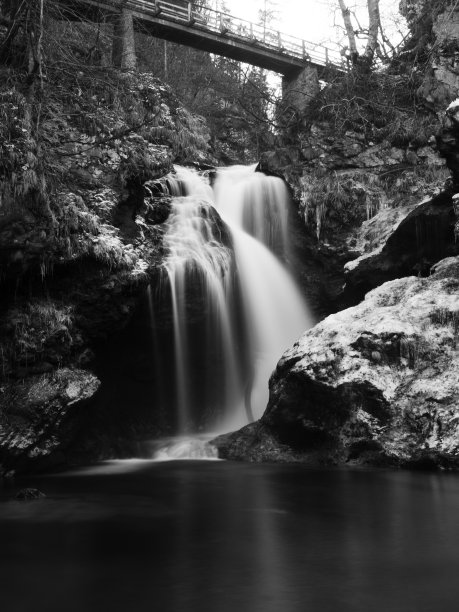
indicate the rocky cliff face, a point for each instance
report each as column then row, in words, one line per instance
column 375, row 384
column 341, row 179
column 81, row 226
column 351, row 193
column 435, row 40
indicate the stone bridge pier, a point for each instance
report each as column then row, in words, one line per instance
column 300, row 87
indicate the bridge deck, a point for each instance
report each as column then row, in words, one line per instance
column 216, row 32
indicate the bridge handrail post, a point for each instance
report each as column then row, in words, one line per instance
column 223, row 26
column 326, row 56
column 191, row 18
column 158, row 8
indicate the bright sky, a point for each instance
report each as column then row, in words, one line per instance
column 308, row 19
column 313, row 20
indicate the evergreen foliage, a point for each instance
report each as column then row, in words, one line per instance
column 234, row 99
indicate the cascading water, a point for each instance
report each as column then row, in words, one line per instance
column 256, row 203
column 235, row 308
column 200, row 268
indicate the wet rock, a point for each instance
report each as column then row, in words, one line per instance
column 375, row 384
column 6, row 477
column 259, row 443
column 30, row 494
column 41, row 415
column 158, row 210
column 255, row 443
column 278, row 162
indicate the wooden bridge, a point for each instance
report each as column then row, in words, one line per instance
column 203, row 28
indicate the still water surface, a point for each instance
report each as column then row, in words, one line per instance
column 221, row 537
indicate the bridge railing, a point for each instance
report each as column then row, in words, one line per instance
column 205, row 18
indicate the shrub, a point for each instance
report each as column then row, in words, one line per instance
column 29, row 332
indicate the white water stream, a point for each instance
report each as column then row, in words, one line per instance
column 230, row 276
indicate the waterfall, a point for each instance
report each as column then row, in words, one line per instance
column 256, row 203
column 200, row 269
column 235, row 307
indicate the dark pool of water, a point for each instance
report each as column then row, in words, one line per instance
column 221, row 537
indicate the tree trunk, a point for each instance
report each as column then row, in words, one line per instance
column 36, row 197
column 346, row 13
column 124, row 55
column 35, row 63
column 373, row 29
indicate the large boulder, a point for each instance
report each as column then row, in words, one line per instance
column 375, row 384
column 41, row 415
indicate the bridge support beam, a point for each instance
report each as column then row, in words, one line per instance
column 300, row 88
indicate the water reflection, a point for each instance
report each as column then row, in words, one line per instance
column 220, row 537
